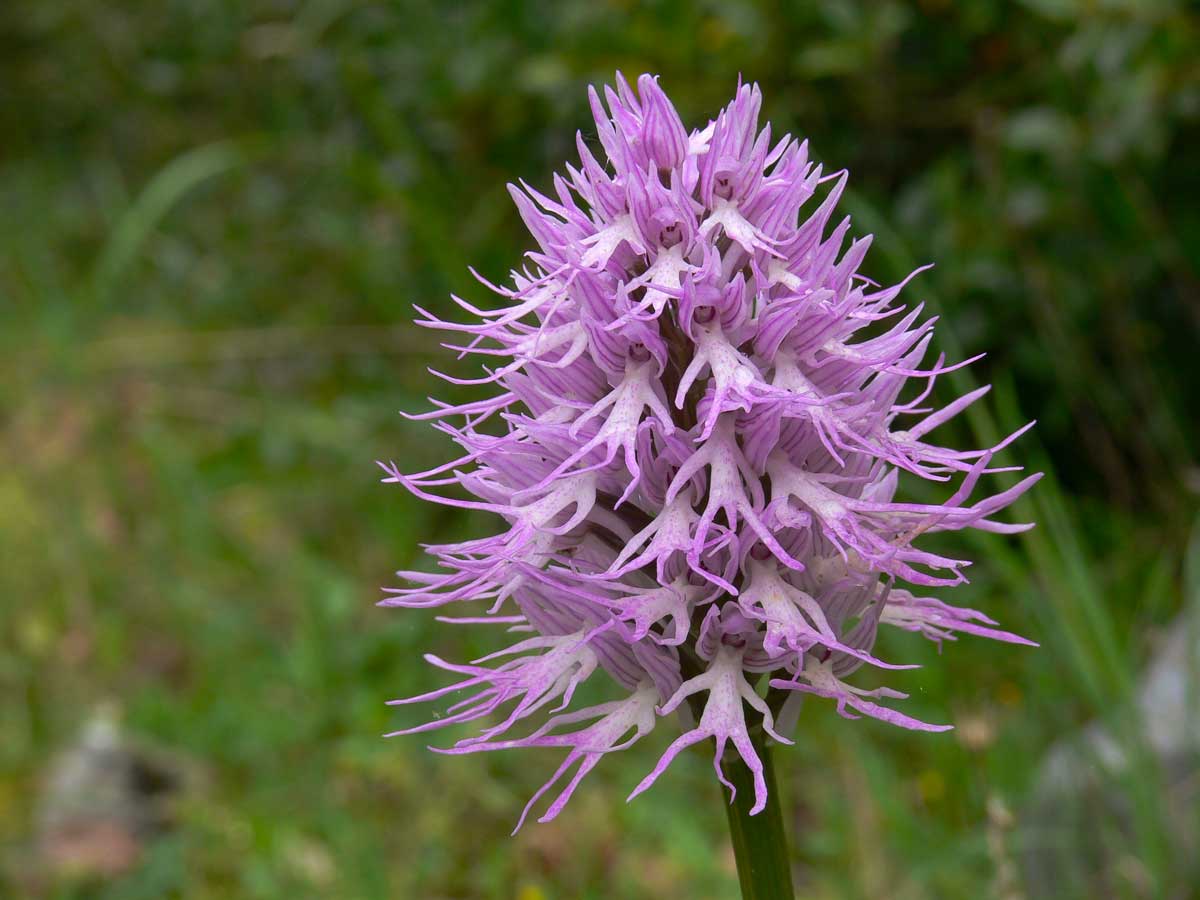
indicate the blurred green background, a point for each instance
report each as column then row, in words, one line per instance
column 213, row 219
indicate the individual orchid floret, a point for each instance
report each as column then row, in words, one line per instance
column 723, row 719
column 533, row 681
column 702, row 423
column 610, row 733
column 669, row 607
column 819, row 678
column 939, row 621
column 638, row 391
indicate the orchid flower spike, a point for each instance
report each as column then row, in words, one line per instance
column 694, row 447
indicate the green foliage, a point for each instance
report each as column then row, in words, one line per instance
column 215, row 218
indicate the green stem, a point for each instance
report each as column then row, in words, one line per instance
column 759, row 842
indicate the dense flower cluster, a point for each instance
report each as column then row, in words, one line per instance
column 695, row 451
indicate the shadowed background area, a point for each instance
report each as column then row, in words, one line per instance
column 215, row 218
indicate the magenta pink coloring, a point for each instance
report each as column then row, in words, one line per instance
column 694, row 448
